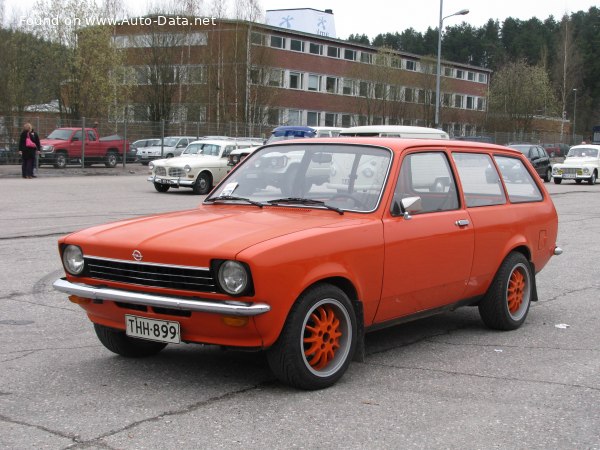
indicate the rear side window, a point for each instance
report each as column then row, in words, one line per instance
column 480, row 180
column 519, row 184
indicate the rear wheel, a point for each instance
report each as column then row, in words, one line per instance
column 161, row 187
column 592, row 179
column 203, row 184
column 548, row 175
column 118, row 342
column 506, row 304
column 111, row 160
column 318, row 340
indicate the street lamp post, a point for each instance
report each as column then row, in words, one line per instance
column 462, row 12
column 574, row 114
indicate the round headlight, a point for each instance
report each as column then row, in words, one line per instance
column 233, row 277
column 187, row 168
column 73, row 259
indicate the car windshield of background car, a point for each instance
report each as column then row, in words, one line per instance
column 348, row 177
column 583, row 152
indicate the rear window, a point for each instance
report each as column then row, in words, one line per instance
column 519, row 183
column 480, row 180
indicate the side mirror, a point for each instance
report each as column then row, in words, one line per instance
column 411, row 205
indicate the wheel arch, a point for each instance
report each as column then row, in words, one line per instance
column 526, row 252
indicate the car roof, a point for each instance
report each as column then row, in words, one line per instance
column 399, row 145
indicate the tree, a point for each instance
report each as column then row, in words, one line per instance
column 359, row 39
column 518, row 92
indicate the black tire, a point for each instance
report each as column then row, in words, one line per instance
column 144, row 163
column 169, row 155
column 548, row 175
column 61, row 160
column 307, row 357
column 506, row 304
column 118, row 342
column 111, row 160
column 578, row 181
column 203, row 184
column 592, row 179
column 161, row 187
column 557, row 180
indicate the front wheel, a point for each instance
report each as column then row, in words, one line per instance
column 318, row 339
column 592, row 179
column 161, row 187
column 118, row 342
column 61, row 161
column 557, row 180
column 506, row 304
column 203, row 184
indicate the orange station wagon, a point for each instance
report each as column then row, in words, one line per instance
column 309, row 244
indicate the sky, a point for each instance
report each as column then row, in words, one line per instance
column 372, row 17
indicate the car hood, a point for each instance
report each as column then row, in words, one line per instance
column 579, row 161
column 194, row 237
column 191, row 160
column 54, row 142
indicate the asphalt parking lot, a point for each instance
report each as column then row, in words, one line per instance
column 441, row 382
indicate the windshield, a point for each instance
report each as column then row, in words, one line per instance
column 348, row 177
column 522, row 148
column 583, row 152
column 170, row 142
column 61, row 135
column 192, row 149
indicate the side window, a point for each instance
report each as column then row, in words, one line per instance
column 519, row 184
column 91, row 136
column 480, row 180
column 77, row 136
column 428, row 176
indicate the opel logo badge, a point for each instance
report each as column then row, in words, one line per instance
column 137, row 255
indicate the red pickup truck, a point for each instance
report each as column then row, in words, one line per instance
column 64, row 146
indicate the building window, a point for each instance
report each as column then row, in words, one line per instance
column 482, row 77
column 350, row 55
column 294, row 117
column 362, row 120
column 315, row 49
column 460, row 74
column 456, row 129
column 458, row 101
column 411, row 65
column 480, row 104
column 346, row 120
column 313, row 118
column 314, row 82
column 296, row 45
column 396, row 62
column 470, row 102
column 348, row 87
column 394, row 93
column 273, row 116
column 379, row 90
column 366, row 57
column 275, row 78
column 448, row 71
column 377, row 120
column 277, row 42
column 331, row 85
column 446, row 99
column 334, row 52
column 363, row 89
column 257, row 38
column 409, row 95
column 295, row 80
column 330, row 119
column 193, row 74
column 421, row 96
column 471, row 76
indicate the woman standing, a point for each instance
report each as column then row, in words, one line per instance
column 28, row 148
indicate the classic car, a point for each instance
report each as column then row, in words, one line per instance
column 200, row 173
column 581, row 164
column 303, row 272
column 538, row 157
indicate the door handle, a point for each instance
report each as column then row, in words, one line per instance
column 462, row 222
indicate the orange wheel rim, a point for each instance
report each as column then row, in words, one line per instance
column 515, row 292
column 321, row 337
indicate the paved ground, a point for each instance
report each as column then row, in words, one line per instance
column 443, row 382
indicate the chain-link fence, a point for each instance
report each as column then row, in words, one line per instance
column 11, row 127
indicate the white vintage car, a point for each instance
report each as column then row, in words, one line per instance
column 201, row 165
column 582, row 163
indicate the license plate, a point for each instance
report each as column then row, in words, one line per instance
column 569, row 175
column 152, row 329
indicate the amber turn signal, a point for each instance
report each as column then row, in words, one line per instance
column 235, row 321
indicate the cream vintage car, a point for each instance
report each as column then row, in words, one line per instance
column 582, row 163
column 201, row 165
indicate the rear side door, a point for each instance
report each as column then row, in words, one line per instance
column 428, row 254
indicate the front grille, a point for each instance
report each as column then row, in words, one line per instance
column 570, row 170
column 175, row 172
column 160, row 171
column 155, row 275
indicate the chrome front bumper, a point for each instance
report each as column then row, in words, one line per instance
column 231, row 308
column 176, row 182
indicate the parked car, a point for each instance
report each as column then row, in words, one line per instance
column 66, row 146
column 397, row 131
column 200, row 173
column 581, row 164
column 557, row 149
column 286, row 132
column 171, row 146
column 536, row 154
column 239, row 154
column 305, row 274
column 152, row 142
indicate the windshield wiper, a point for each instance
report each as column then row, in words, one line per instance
column 233, row 198
column 304, row 201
